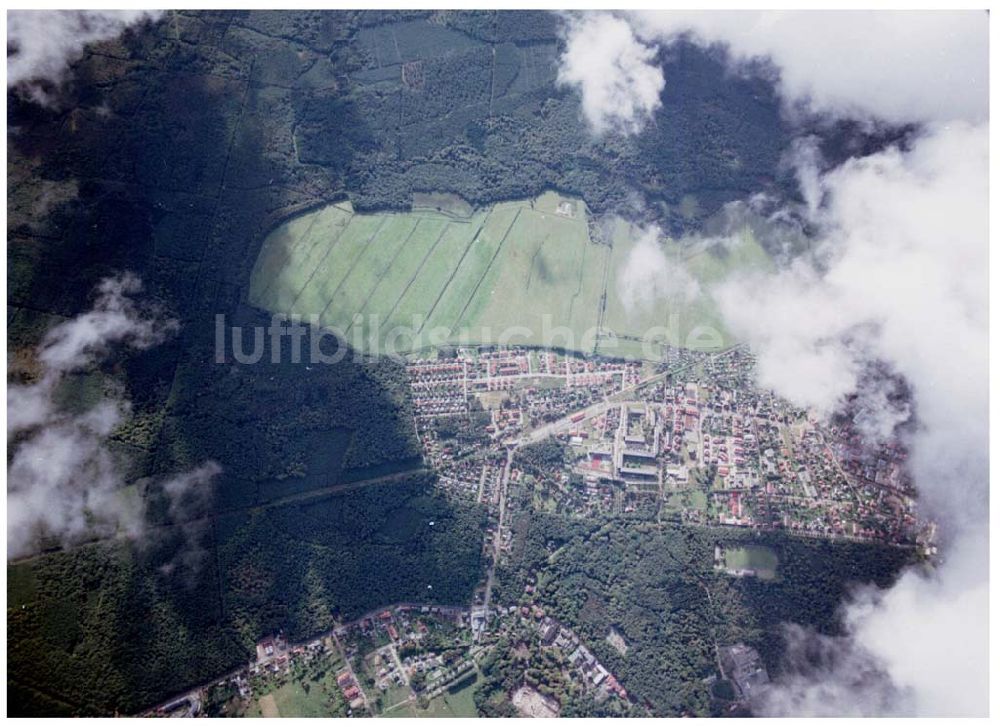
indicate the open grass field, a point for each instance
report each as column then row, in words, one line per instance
column 292, row 700
column 756, row 557
column 460, row 702
column 269, row 706
column 456, row 701
column 521, row 272
column 313, row 695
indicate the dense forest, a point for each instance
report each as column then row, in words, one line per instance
column 106, row 627
column 467, row 103
column 545, row 456
column 298, row 567
column 656, row 586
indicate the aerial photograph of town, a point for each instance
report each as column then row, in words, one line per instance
column 463, row 363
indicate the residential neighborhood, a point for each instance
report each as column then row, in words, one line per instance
column 693, row 440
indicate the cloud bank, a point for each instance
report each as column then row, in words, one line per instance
column 897, row 66
column 899, row 275
column 615, row 73
column 919, row 648
column 41, row 44
column 63, row 481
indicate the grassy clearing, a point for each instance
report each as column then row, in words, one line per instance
column 521, row 272
column 545, row 261
column 269, row 707
column 458, row 703
column 315, row 694
column 402, row 710
column 759, row 558
column 295, row 699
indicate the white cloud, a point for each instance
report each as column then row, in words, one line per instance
column 899, row 276
column 919, row 648
column 77, row 343
column 115, row 318
column 615, row 73
column 826, row 676
column 931, row 631
column 900, row 66
column 648, row 277
column 879, row 408
column 63, row 482
column 46, row 42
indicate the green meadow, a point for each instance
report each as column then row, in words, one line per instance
column 521, row 272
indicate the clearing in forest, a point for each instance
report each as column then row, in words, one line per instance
column 521, row 272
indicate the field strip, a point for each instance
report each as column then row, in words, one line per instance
column 458, row 321
column 320, row 264
column 287, row 259
column 527, row 63
column 579, row 279
column 395, row 43
column 604, row 293
column 378, row 280
column 534, row 257
column 339, row 228
column 417, row 271
column 493, row 72
column 269, row 707
column 354, row 262
column 451, row 277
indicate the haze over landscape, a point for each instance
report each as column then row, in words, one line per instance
column 498, row 363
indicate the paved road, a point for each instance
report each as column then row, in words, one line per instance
column 399, row 664
column 498, row 537
column 609, row 402
column 350, row 668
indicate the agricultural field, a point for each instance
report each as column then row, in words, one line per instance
column 524, row 272
column 680, row 310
